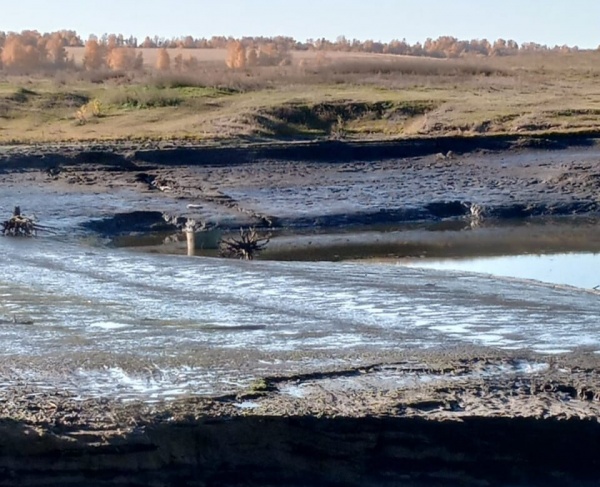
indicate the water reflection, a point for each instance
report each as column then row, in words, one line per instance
column 572, row 269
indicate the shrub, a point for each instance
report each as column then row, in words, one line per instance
column 91, row 109
column 148, row 97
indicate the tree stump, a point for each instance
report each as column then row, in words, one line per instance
column 245, row 247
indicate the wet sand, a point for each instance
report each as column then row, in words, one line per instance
column 468, row 416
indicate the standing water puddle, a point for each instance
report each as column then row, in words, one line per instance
column 571, row 269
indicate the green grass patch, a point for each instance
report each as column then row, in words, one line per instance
column 142, row 98
column 192, row 92
column 147, row 97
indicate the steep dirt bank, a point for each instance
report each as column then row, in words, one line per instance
column 176, row 153
column 305, row 451
column 471, row 421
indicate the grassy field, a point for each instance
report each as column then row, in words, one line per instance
column 332, row 95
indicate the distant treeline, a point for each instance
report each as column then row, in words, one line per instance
column 444, row 46
column 30, row 49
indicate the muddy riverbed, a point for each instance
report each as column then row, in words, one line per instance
column 137, row 364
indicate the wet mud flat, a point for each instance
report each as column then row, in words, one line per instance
column 483, row 414
column 312, row 186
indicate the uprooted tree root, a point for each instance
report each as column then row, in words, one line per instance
column 246, row 246
column 22, row 226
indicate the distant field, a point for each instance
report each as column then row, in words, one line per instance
column 150, row 55
column 320, row 95
column 220, row 55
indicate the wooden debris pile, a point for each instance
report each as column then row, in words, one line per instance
column 246, row 246
column 22, row 226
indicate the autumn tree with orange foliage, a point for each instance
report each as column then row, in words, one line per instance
column 266, row 54
column 112, row 41
column 22, row 52
column 163, row 60
column 148, row 43
column 124, row 59
column 252, row 57
column 94, row 55
column 55, row 50
column 187, row 42
column 236, row 55
column 273, row 54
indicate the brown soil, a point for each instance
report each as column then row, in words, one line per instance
column 484, row 420
column 466, row 417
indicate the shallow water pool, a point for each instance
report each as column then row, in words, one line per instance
column 571, row 269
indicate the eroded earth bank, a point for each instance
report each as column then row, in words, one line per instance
column 136, row 367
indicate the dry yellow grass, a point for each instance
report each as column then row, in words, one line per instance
column 334, row 95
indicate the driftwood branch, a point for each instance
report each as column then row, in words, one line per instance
column 246, row 246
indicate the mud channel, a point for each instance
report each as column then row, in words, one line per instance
column 338, row 357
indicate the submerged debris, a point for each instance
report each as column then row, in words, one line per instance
column 22, row 226
column 246, row 246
